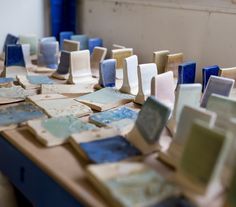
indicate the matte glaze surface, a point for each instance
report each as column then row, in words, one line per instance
column 35, row 79
column 107, row 73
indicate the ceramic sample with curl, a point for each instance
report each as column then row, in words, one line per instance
column 104, row 99
column 32, row 40
column 173, row 62
column 145, row 74
column 207, row 72
column 65, row 35
column 56, row 131
column 94, row 42
column 186, row 73
column 98, row 56
column 144, row 185
column 189, row 114
column 200, row 176
column 70, row 45
column 228, row 73
column 130, row 77
column 141, row 140
column 119, row 55
column 82, row 39
column 80, row 69
column 160, row 58
column 163, row 88
column 218, row 85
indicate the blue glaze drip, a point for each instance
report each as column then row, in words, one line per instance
column 35, row 79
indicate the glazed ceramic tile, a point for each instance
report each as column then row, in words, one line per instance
column 160, row 58
column 66, row 35
column 105, row 99
column 80, row 89
column 56, row 131
column 42, row 97
column 98, row 56
column 71, row 45
column 27, row 57
column 63, row 67
column 94, row 42
column 187, row 73
column 10, row 40
column 163, row 88
column 107, row 117
column 30, row 39
column 33, row 81
column 145, row 74
column 187, row 118
column 207, row 72
column 173, row 62
column 48, row 39
column 107, row 73
column 79, row 66
column 130, row 184
column 203, row 160
column 82, row 39
column 48, row 54
column 218, row 85
column 19, row 113
column 130, row 77
column 228, row 73
column 62, row 107
column 120, row 55
column 6, row 82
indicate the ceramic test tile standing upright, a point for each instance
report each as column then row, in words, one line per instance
column 82, row 39
column 98, row 55
column 70, row 45
column 207, row 72
column 228, row 73
column 187, row 73
column 10, row 40
column 94, row 42
column 160, row 58
column 32, row 41
column 173, row 62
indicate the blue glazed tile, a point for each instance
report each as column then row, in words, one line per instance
column 107, row 73
column 19, row 113
column 174, row 202
column 206, row 74
column 38, row 79
column 10, row 40
column 107, row 117
column 63, row 67
column 109, row 150
column 48, row 39
column 64, row 36
column 187, row 73
column 94, row 42
column 48, row 54
column 82, row 39
column 152, row 119
column 6, row 80
column 14, row 56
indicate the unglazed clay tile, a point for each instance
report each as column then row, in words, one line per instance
column 187, row 73
column 120, row 55
column 207, row 72
column 65, row 35
column 94, row 42
column 228, row 73
column 130, row 77
column 145, row 74
column 163, row 88
column 32, row 40
column 173, row 62
column 160, row 58
column 82, row 39
column 98, row 56
column 218, row 85
column 71, row 45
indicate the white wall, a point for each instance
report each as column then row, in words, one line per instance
column 22, row 17
column 204, row 31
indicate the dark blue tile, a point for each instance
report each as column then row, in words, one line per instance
column 63, row 67
column 109, row 150
column 187, row 73
column 10, row 40
column 94, row 42
column 207, row 72
column 107, row 73
column 64, row 36
column 175, row 202
column 14, row 56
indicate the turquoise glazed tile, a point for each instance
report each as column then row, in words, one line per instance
column 82, row 39
column 34, row 79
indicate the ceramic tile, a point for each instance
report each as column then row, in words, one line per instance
column 66, row 35
column 14, row 56
column 82, row 39
column 187, row 73
column 207, row 72
column 230, row 197
column 27, row 57
column 30, row 39
column 98, row 56
column 6, row 82
column 33, row 81
column 71, row 45
column 94, row 42
column 48, row 39
column 218, row 85
column 118, row 46
column 163, row 88
column 107, row 73
column 10, row 40
column 130, row 78
column 145, row 74
column 120, row 55
column 160, row 58
column 228, row 73
column 105, row 99
column 173, row 62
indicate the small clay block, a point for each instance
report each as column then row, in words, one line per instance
column 218, row 85
column 6, row 82
column 10, row 40
column 228, row 73
column 160, row 58
column 71, row 45
column 64, row 36
column 107, row 117
column 98, row 55
column 120, row 55
column 48, row 39
column 31, row 40
column 187, row 73
column 112, row 149
column 207, row 72
column 48, row 54
column 94, row 42
column 82, row 39
column 156, row 115
column 173, row 62
column 14, row 56
column 19, row 113
column 107, row 73
column 175, row 201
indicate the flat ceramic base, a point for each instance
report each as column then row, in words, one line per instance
column 60, row 76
